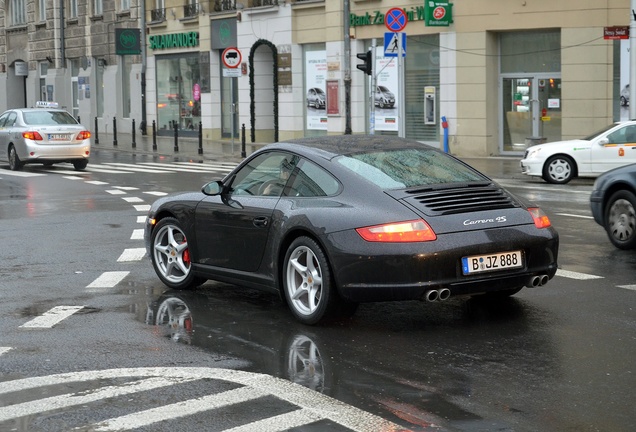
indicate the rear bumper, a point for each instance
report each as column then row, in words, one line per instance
column 381, row 272
column 57, row 152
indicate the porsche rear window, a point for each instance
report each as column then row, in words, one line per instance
column 398, row 169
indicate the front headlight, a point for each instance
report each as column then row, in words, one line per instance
column 533, row 153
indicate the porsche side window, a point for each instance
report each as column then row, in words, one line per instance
column 311, row 180
column 265, row 175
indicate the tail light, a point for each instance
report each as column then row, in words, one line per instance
column 398, row 232
column 541, row 220
column 32, row 135
column 83, row 135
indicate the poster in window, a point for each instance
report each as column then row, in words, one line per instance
column 386, row 91
column 315, row 80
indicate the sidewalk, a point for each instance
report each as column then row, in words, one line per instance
column 223, row 150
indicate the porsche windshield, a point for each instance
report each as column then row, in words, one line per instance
column 405, row 168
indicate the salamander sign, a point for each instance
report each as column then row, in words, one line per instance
column 174, row 40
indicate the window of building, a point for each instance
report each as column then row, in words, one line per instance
column 124, row 5
column 75, row 68
column 72, row 9
column 98, row 7
column 18, row 12
column 530, row 51
column 41, row 10
column 178, row 93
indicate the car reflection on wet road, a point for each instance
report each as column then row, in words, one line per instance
column 415, row 365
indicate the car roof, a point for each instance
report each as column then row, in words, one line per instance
column 336, row 145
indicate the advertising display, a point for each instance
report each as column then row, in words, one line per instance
column 315, row 83
column 386, row 92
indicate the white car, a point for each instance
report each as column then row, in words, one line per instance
column 561, row 161
column 44, row 135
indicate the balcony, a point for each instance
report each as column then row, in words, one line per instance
column 191, row 10
column 257, row 3
column 157, row 15
column 224, row 5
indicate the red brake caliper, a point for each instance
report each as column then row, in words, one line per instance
column 186, row 254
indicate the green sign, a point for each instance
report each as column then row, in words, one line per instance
column 174, row 40
column 127, row 41
column 438, row 13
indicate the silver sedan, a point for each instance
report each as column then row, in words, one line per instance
column 45, row 135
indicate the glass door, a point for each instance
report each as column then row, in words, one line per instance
column 229, row 105
column 531, row 111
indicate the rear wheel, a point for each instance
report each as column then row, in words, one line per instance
column 307, row 282
column 620, row 219
column 80, row 164
column 15, row 164
column 170, row 255
column 559, row 169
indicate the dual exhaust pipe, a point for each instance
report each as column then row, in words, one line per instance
column 537, row 281
column 437, row 295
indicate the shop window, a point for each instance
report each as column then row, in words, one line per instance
column 530, row 51
column 178, row 93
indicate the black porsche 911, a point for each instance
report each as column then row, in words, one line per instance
column 334, row 221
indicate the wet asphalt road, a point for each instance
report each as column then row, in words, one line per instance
column 561, row 357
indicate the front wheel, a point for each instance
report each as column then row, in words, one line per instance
column 307, row 282
column 559, row 169
column 620, row 219
column 15, row 164
column 170, row 255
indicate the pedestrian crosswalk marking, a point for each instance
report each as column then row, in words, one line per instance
column 135, row 254
column 312, row 406
column 576, row 275
column 108, row 279
column 52, row 317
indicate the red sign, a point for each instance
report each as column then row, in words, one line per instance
column 231, row 57
column 439, row 13
column 395, row 20
column 618, row 32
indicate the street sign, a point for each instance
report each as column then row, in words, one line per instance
column 391, row 46
column 395, row 20
column 231, row 57
column 232, row 72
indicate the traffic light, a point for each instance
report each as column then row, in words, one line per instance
column 367, row 66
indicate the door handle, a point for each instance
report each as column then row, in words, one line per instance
column 261, row 221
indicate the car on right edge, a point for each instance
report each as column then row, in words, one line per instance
column 613, row 203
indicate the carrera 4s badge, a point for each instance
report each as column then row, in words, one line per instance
column 498, row 219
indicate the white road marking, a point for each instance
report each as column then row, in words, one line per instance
column 280, row 423
column 173, row 168
column 67, row 172
column 141, row 219
column 137, row 234
column 311, row 403
column 576, row 216
column 73, row 177
column 132, row 255
column 107, row 170
column 135, row 168
column 116, row 192
column 126, row 188
column 51, row 317
column 179, row 409
column 575, row 275
column 142, row 208
column 156, row 193
column 21, row 174
column 4, row 350
column 108, row 279
column 96, row 182
column 133, row 199
column 224, row 165
column 629, row 287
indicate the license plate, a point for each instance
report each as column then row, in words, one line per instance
column 491, row 262
column 58, row 137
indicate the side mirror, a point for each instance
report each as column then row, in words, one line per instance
column 603, row 141
column 213, row 188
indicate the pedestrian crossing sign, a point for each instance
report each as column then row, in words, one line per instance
column 391, row 41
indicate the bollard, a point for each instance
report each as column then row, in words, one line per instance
column 200, row 138
column 445, row 126
column 154, row 135
column 115, row 131
column 134, row 142
column 96, row 132
column 176, row 137
column 243, row 153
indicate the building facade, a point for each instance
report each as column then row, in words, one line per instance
column 503, row 74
